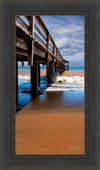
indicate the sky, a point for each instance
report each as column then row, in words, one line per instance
column 68, row 33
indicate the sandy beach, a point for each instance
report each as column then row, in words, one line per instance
column 27, row 71
column 52, row 125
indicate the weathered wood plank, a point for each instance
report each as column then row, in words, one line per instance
column 39, row 52
column 39, row 39
column 22, row 33
column 39, row 31
column 41, row 24
column 30, row 52
column 21, row 22
column 21, row 54
column 49, row 72
column 40, row 46
column 21, row 43
column 34, row 80
column 30, row 28
column 31, row 43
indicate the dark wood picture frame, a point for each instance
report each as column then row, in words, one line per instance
column 8, row 84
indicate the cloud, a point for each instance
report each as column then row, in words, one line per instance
column 69, row 29
column 68, row 34
column 69, row 47
column 61, row 42
column 76, row 60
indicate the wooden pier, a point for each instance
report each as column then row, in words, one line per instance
column 35, row 45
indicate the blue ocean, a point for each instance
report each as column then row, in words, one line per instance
column 72, row 68
column 72, row 87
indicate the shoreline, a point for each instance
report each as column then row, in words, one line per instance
column 53, row 123
column 43, row 72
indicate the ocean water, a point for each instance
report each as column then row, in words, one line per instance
column 71, row 86
column 44, row 67
column 28, row 67
column 76, row 68
column 72, row 82
column 64, row 83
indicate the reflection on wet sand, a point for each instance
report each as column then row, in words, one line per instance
column 53, row 123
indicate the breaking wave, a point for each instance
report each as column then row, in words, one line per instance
column 63, row 83
column 74, row 79
column 23, row 78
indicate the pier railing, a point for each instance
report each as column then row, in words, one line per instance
column 33, row 29
column 35, row 45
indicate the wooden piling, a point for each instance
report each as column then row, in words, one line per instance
column 38, row 74
column 31, row 42
column 34, row 80
column 36, row 46
column 52, row 65
column 49, row 72
column 55, row 68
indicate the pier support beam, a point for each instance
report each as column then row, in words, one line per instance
column 57, row 70
column 55, row 65
column 34, row 80
column 38, row 74
column 49, row 72
column 52, row 65
column 52, row 68
column 58, row 66
column 63, row 68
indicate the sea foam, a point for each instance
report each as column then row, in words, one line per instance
column 74, row 79
column 23, row 78
column 63, row 83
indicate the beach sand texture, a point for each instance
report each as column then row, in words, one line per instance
column 23, row 72
column 49, row 126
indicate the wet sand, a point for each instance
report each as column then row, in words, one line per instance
column 27, row 71
column 73, row 73
column 50, row 125
column 43, row 72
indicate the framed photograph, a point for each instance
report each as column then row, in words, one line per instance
column 54, row 121
column 49, row 84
